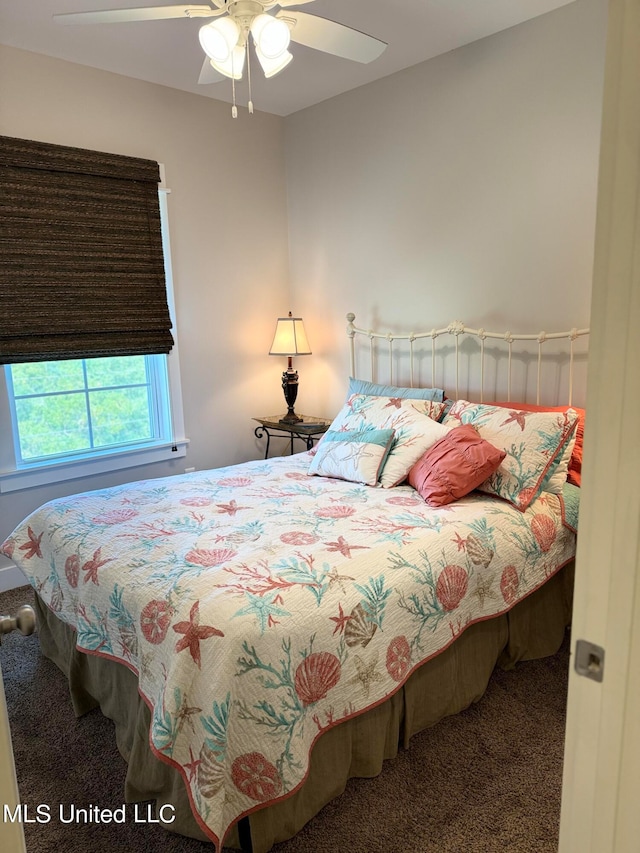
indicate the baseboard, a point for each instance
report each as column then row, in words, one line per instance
column 10, row 578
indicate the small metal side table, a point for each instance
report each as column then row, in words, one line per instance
column 309, row 429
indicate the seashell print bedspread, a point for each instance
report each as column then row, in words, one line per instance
column 261, row 606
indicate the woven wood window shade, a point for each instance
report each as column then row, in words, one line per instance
column 81, row 262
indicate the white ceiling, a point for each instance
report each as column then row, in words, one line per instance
column 168, row 52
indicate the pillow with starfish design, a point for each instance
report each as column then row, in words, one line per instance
column 414, row 423
column 532, row 441
column 356, row 456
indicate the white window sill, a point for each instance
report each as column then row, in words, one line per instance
column 55, row 472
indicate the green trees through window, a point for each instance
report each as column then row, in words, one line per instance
column 80, row 406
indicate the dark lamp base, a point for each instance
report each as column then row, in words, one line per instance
column 290, row 418
column 290, row 388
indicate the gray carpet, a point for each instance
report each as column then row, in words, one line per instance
column 488, row 779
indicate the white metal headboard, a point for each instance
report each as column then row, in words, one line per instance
column 455, row 330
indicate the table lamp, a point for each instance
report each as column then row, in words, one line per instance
column 290, row 339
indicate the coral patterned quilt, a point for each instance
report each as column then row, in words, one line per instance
column 260, row 605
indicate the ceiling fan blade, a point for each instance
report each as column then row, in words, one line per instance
column 208, row 73
column 145, row 13
column 284, row 4
column 331, row 37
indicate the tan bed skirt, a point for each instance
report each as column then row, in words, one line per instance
column 445, row 685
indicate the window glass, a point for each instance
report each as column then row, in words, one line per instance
column 52, row 425
column 76, row 407
column 120, row 416
column 46, row 376
column 119, row 370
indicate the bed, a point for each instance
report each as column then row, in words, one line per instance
column 261, row 633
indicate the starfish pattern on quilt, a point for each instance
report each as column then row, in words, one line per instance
column 193, row 633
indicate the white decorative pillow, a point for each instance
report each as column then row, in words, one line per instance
column 533, row 441
column 414, row 423
column 354, row 456
column 556, row 476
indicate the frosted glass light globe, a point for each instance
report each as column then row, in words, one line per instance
column 219, row 38
column 271, row 35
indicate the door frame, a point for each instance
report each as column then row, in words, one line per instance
column 600, row 811
column 11, row 834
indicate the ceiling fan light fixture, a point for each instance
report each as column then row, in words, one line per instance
column 225, row 41
column 233, row 67
column 270, row 35
column 219, row 38
column 271, row 67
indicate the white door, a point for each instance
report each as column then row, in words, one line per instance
column 600, row 809
column 11, row 835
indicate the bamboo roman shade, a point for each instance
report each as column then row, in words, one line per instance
column 81, row 262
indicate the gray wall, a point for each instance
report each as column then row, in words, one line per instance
column 463, row 188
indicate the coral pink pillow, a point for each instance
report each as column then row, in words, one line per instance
column 575, row 464
column 454, row 466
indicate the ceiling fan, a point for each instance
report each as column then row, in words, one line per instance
column 225, row 41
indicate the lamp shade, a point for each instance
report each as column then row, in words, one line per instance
column 271, row 35
column 290, row 338
column 271, row 67
column 219, row 38
column 233, row 66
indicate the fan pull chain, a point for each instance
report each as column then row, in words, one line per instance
column 250, row 102
column 234, row 108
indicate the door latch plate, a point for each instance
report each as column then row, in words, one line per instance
column 589, row 660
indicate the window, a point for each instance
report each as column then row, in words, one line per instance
column 87, row 406
column 78, row 417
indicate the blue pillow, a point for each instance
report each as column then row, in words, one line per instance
column 447, row 405
column 361, row 386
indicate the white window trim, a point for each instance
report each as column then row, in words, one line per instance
column 173, row 359
column 56, row 472
column 41, row 474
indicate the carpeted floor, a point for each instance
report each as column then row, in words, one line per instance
column 488, row 779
